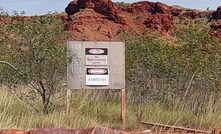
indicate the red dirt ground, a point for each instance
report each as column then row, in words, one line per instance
column 96, row 130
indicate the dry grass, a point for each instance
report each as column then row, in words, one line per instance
column 93, row 108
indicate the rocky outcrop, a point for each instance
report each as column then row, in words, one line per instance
column 159, row 16
column 72, row 8
column 104, row 7
column 143, row 6
column 157, row 7
column 216, row 28
column 162, row 8
column 149, row 7
column 94, row 23
column 160, row 22
column 216, row 15
column 194, row 14
column 216, row 23
column 109, row 9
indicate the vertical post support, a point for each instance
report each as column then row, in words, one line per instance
column 123, row 107
column 68, row 101
column 139, row 119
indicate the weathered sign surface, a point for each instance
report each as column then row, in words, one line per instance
column 96, row 65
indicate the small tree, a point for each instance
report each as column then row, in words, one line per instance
column 37, row 50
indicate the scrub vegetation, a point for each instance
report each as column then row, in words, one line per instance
column 174, row 83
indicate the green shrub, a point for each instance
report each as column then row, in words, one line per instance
column 155, row 67
column 37, row 49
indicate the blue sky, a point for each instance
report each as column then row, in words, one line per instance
column 38, row 7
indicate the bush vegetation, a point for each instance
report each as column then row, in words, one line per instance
column 191, row 64
column 172, row 83
column 35, row 47
column 123, row 5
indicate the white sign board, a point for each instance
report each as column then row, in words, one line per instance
column 96, row 65
column 97, row 77
column 96, row 56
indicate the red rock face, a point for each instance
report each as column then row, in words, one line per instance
column 195, row 14
column 160, row 22
column 162, row 8
column 158, row 17
column 149, row 7
column 72, row 8
column 143, row 6
column 216, row 15
column 109, row 9
column 216, row 25
column 104, row 7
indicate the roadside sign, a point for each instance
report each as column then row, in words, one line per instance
column 96, row 65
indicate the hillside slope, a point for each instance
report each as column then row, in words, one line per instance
column 105, row 20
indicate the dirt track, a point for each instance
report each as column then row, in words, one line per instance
column 97, row 130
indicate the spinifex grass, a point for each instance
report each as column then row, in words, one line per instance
column 193, row 112
column 89, row 109
column 99, row 108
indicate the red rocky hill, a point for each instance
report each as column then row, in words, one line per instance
column 97, row 20
column 105, row 20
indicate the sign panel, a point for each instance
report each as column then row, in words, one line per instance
column 96, row 65
column 96, row 56
column 97, row 77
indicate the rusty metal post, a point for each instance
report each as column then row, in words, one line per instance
column 123, row 107
column 68, row 101
column 139, row 119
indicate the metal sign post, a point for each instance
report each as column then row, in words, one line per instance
column 68, row 101
column 97, row 65
column 123, row 107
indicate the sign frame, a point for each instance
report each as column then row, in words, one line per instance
column 115, row 64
